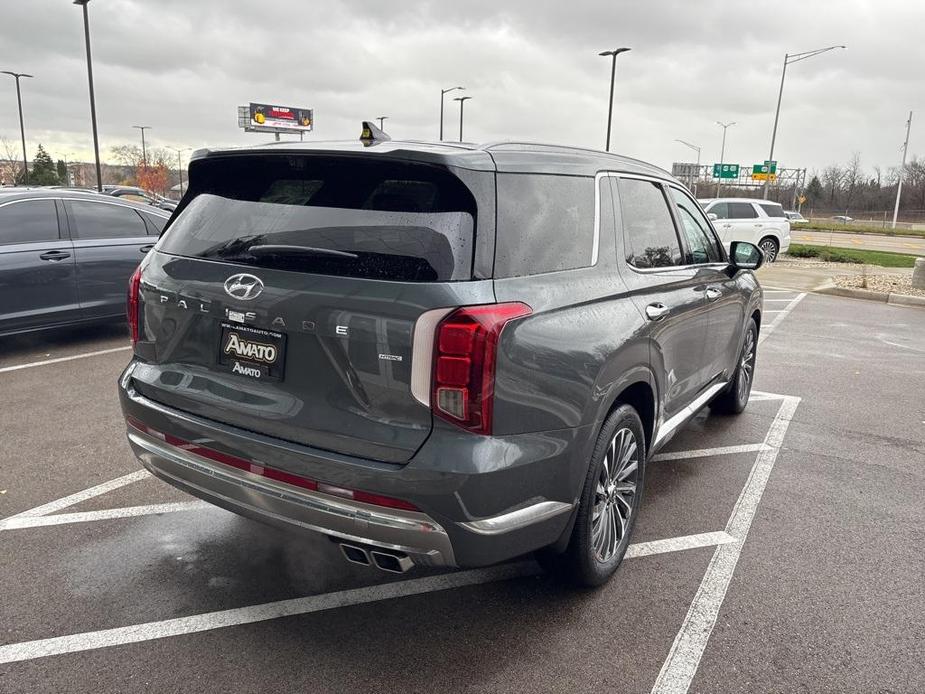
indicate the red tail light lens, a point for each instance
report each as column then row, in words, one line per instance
column 465, row 351
column 131, row 308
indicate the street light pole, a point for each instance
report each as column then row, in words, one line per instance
column 144, row 150
column 96, row 139
column 381, row 120
column 462, row 101
column 902, row 168
column 613, row 76
column 22, row 128
column 696, row 148
column 444, row 92
column 788, row 58
column 178, row 150
column 722, row 154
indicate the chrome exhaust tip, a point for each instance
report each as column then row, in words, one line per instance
column 354, row 554
column 393, row 562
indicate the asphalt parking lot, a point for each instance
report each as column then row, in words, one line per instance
column 779, row 551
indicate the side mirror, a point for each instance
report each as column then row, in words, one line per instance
column 712, row 216
column 745, row 256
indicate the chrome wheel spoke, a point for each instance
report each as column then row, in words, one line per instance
column 614, row 494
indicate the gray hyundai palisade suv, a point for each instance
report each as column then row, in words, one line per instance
column 434, row 354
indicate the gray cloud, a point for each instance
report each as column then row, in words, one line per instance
column 531, row 67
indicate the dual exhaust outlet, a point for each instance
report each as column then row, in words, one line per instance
column 382, row 559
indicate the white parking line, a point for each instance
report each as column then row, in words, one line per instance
column 683, row 659
column 21, row 522
column 58, row 360
column 77, row 497
column 706, row 452
column 768, row 329
column 771, row 301
column 91, row 640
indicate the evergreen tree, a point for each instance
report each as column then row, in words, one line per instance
column 62, row 173
column 44, row 172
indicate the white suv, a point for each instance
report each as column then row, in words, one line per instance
column 760, row 222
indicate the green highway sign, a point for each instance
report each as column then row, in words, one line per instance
column 725, row 171
column 767, row 167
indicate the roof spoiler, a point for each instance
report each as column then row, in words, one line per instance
column 371, row 135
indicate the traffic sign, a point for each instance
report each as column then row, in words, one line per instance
column 761, row 172
column 725, row 171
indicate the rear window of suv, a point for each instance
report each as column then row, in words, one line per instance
column 328, row 215
column 772, row 209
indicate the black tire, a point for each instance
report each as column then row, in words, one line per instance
column 734, row 399
column 770, row 248
column 591, row 557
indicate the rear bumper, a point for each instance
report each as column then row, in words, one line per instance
column 415, row 534
column 481, row 500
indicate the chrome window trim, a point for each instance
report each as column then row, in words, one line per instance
column 159, row 212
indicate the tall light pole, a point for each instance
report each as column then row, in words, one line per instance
column 444, row 92
column 613, row 76
column 788, row 58
column 144, row 150
column 902, row 169
column 22, row 128
column 462, row 101
column 381, row 120
column 722, row 153
column 180, row 150
column 696, row 148
column 67, row 173
column 96, row 138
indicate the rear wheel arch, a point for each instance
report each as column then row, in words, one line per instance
column 640, row 395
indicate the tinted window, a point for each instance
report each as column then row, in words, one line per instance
column 334, row 216
column 24, row 222
column 701, row 243
column 741, row 210
column 155, row 223
column 772, row 209
column 545, row 224
column 720, row 209
column 651, row 240
column 99, row 220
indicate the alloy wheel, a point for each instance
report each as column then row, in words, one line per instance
column 615, row 495
column 769, row 248
column 746, row 365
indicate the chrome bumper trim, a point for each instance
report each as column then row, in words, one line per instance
column 520, row 518
column 414, row 533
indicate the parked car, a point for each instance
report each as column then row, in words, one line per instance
column 66, row 257
column 434, row 354
column 760, row 222
column 140, row 195
column 796, row 218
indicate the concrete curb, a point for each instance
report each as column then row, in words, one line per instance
column 884, row 297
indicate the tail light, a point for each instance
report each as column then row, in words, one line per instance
column 131, row 307
column 465, row 351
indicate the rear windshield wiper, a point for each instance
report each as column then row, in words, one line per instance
column 264, row 249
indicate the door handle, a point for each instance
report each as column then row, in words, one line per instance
column 146, row 248
column 54, row 256
column 713, row 293
column 656, row 311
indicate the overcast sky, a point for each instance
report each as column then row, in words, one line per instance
column 531, row 68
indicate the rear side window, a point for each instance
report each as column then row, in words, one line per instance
column 741, row 210
column 772, row 209
column 99, row 220
column 648, row 229
column 545, row 223
column 328, row 215
column 29, row 221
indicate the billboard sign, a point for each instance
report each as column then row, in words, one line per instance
column 278, row 119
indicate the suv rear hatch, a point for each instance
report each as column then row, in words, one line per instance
column 283, row 296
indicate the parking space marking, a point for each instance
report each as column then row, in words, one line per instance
column 21, row 522
column 58, row 360
column 706, row 452
column 683, row 659
column 771, row 301
column 676, row 544
column 149, row 631
column 768, row 329
column 76, row 498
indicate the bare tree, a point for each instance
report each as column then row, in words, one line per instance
column 10, row 166
column 831, row 179
column 852, row 176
